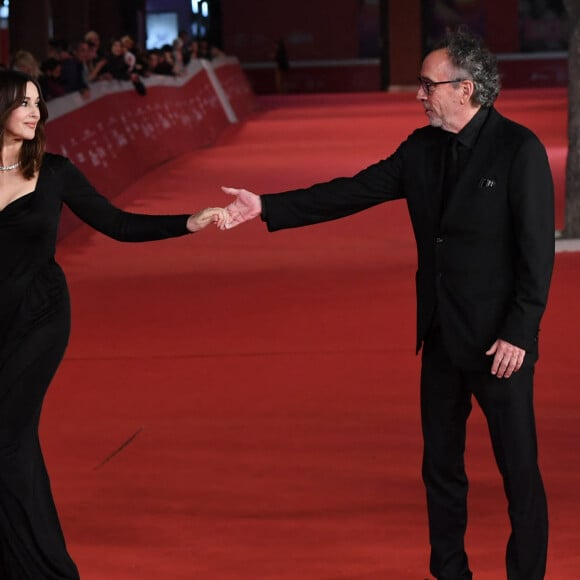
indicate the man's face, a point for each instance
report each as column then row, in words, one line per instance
column 441, row 101
column 82, row 51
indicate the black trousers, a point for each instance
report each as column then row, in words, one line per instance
column 446, row 402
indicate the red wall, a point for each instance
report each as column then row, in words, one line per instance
column 330, row 30
column 311, row 29
column 4, row 50
column 405, row 50
column 502, row 26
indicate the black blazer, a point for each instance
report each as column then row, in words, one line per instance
column 486, row 263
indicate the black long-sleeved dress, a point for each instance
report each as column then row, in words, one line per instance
column 34, row 331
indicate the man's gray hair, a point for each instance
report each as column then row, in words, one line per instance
column 474, row 61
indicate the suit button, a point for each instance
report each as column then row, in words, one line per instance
column 438, row 240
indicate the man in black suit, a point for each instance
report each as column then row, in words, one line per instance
column 480, row 196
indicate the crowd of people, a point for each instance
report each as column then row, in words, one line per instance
column 74, row 67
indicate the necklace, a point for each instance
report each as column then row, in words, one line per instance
column 9, row 167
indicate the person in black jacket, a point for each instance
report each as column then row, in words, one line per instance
column 73, row 73
column 117, row 67
column 480, row 196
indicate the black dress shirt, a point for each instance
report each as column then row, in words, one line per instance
column 459, row 150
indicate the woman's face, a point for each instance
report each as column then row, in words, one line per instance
column 22, row 122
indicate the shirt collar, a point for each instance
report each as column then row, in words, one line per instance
column 468, row 135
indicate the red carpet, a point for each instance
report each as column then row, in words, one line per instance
column 244, row 405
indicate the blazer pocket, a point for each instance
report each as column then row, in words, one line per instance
column 487, row 183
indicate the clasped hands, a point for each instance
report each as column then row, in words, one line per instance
column 246, row 206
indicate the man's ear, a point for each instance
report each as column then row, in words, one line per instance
column 468, row 88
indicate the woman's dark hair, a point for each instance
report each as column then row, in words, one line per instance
column 12, row 92
column 471, row 58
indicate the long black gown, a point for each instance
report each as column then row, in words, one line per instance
column 34, row 331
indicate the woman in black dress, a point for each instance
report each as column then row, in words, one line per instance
column 35, row 316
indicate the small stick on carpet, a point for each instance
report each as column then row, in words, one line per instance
column 119, row 449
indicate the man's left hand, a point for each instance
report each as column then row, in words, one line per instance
column 507, row 358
